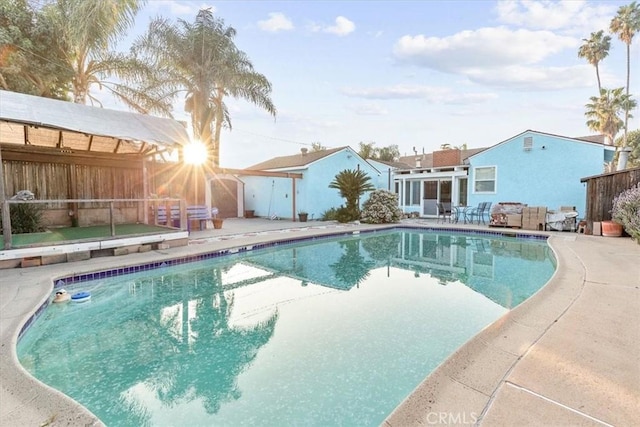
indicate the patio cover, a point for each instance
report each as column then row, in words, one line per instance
column 38, row 121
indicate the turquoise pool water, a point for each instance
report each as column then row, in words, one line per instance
column 333, row 332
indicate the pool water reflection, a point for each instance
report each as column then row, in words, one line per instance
column 338, row 331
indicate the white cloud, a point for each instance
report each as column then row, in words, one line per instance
column 575, row 16
column 342, row 27
column 482, row 48
column 535, row 78
column 176, row 7
column 369, row 109
column 437, row 95
column 277, row 22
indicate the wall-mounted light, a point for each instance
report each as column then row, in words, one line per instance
column 544, row 147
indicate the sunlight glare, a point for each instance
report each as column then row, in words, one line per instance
column 195, row 153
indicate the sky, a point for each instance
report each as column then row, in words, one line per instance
column 416, row 74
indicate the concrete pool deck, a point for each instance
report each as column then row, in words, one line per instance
column 569, row 355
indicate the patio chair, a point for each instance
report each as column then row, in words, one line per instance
column 479, row 212
column 443, row 212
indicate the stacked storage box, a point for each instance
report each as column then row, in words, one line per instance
column 534, row 217
column 506, row 214
column 514, row 220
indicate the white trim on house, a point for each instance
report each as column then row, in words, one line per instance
column 426, row 207
column 495, row 179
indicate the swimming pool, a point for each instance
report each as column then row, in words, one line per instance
column 336, row 331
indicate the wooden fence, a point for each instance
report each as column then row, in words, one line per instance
column 602, row 189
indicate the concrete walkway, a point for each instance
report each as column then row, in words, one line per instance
column 567, row 356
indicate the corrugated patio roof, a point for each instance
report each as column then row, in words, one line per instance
column 38, row 121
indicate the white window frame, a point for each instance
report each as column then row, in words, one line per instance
column 412, row 193
column 494, row 180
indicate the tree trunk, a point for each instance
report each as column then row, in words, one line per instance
column 218, row 126
column 626, row 108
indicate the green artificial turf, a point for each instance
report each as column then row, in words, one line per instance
column 96, row 232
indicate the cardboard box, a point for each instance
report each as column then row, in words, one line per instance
column 514, row 220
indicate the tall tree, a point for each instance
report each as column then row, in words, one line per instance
column 201, row 60
column 367, row 150
column 31, row 56
column 603, row 112
column 626, row 24
column 594, row 50
column 389, row 154
column 89, row 31
column 633, row 142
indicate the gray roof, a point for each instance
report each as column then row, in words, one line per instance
column 295, row 161
column 394, row 164
column 113, row 126
column 592, row 138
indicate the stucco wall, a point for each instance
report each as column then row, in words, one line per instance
column 269, row 196
column 384, row 180
column 547, row 175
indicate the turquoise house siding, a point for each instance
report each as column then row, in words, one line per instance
column 385, row 177
column 269, row 196
column 548, row 174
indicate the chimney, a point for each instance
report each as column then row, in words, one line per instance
column 304, row 150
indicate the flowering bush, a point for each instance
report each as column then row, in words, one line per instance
column 381, row 208
column 626, row 211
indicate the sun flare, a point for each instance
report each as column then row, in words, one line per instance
column 195, row 153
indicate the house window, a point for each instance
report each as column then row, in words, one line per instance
column 412, row 193
column 485, row 179
column 415, row 193
column 528, row 143
column 462, row 192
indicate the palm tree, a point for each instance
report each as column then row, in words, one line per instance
column 352, row 184
column 201, row 61
column 626, row 24
column 89, row 30
column 594, row 50
column 602, row 112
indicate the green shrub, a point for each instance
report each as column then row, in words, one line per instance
column 347, row 214
column 25, row 218
column 329, row 215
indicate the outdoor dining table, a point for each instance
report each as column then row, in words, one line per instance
column 459, row 211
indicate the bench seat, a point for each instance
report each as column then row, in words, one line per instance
column 199, row 213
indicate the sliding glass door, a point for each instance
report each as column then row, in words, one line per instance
column 436, row 191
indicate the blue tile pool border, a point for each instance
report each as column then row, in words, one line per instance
column 120, row 271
